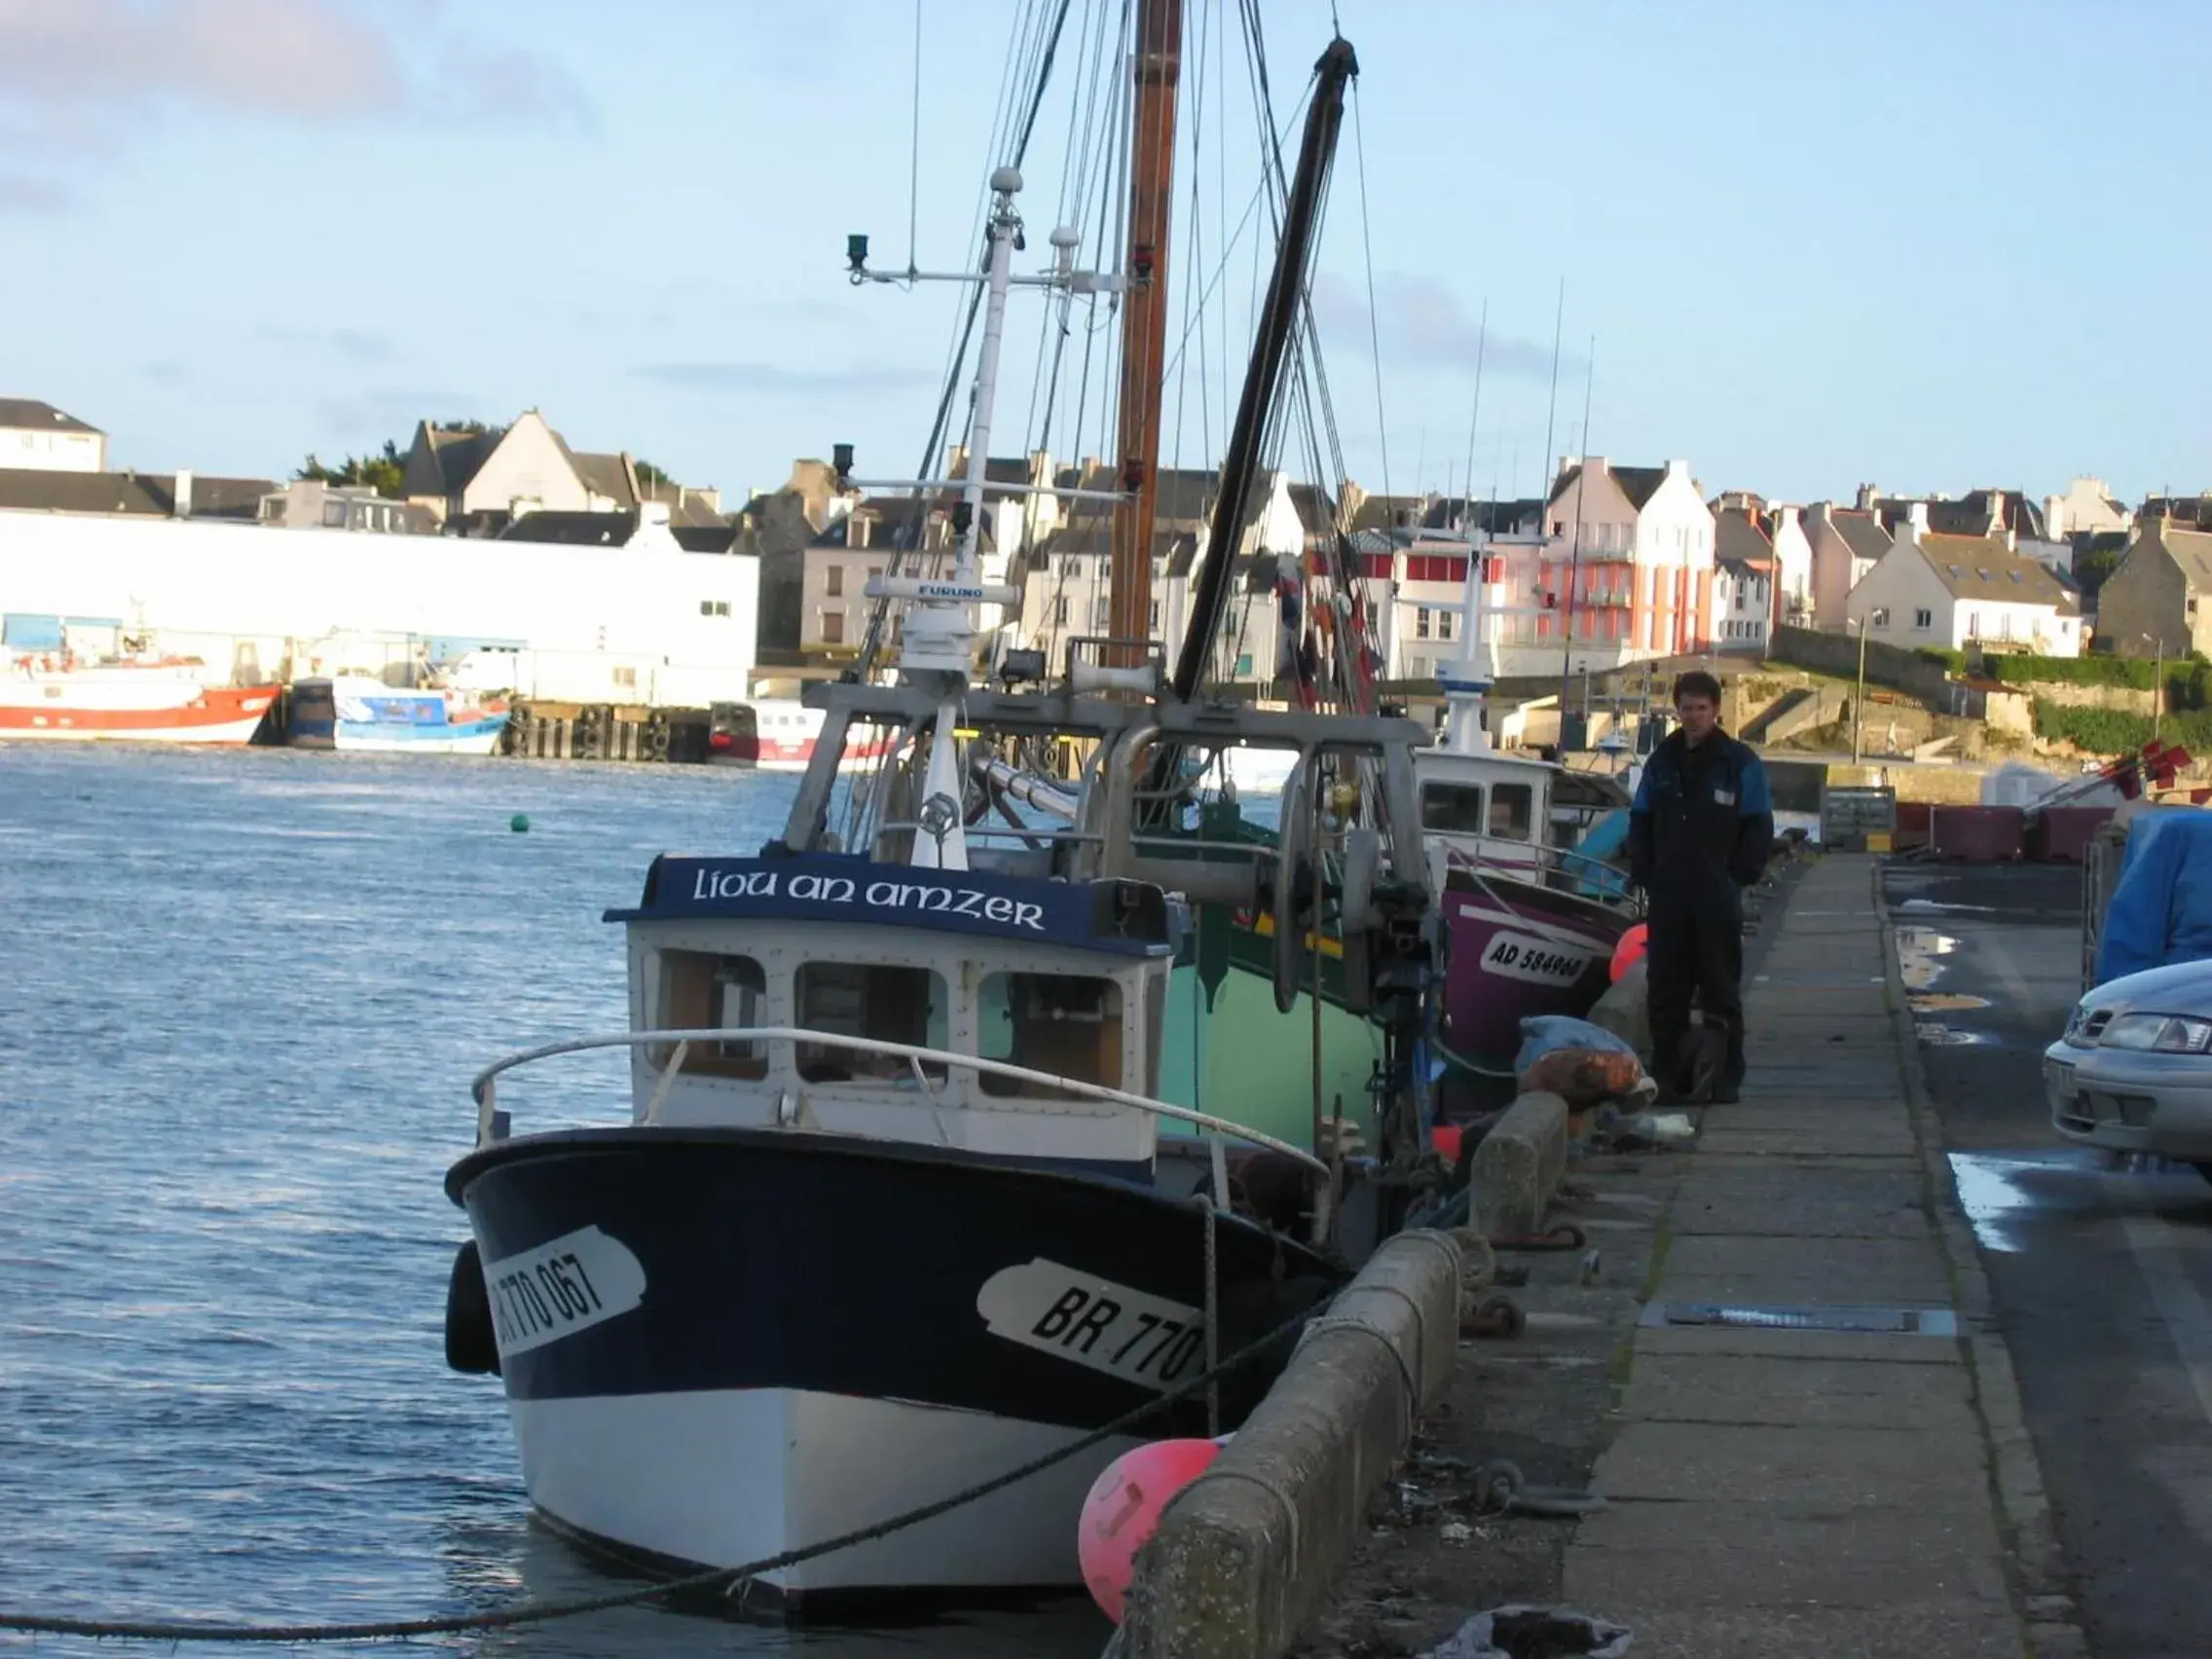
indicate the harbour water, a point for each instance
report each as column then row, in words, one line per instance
column 242, row 997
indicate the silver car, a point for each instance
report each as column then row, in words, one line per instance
column 2133, row 1072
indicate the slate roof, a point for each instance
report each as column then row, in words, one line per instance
column 37, row 412
column 1738, row 537
column 1315, row 510
column 1976, row 567
column 1743, row 569
column 1863, row 533
column 604, row 475
column 1638, row 483
column 2191, row 550
column 450, row 460
column 572, row 529
column 1489, row 517
column 150, row 493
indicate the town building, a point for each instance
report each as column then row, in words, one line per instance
column 1624, row 568
column 311, row 503
column 476, row 480
column 36, row 436
column 2087, row 508
column 1962, row 592
column 2160, row 598
column 1745, row 583
column 1846, row 543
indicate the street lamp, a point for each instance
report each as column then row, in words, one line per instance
column 2157, row 679
column 1859, row 698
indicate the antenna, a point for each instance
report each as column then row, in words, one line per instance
column 1574, row 551
column 1482, row 348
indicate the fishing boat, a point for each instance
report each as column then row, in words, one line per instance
column 775, row 734
column 1519, row 851
column 355, row 713
column 896, row 1206
column 140, row 698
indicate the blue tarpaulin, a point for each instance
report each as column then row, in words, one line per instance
column 2161, row 909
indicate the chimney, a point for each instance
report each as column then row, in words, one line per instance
column 652, row 512
column 1825, row 512
column 182, row 493
column 1918, row 520
column 1680, row 469
column 1784, row 516
column 1869, row 494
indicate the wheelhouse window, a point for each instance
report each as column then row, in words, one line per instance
column 700, row 989
column 1511, row 811
column 1067, row 1024
column 1453, row 809
column 882, row 1002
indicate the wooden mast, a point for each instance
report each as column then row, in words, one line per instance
column 1144, row 317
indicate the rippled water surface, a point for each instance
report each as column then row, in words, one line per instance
column 242, row 997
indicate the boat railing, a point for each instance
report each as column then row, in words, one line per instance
column 1560, row 865
column 491, row 1127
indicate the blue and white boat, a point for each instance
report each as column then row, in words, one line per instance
column 365, row 715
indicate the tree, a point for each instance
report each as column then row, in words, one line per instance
column 648, row 473
column 382, row 473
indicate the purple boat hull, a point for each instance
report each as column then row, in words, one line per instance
column 1519, row 949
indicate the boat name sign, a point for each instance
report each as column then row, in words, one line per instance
column 932, row 897
column 577, row 1280
column 1094, row 1322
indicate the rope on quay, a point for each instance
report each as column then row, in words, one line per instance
column 722, row 1577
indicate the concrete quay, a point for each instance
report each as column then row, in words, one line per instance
column 1777, row 1370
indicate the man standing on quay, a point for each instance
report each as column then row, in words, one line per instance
column 1700, row 832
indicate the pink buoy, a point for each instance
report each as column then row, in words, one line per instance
column 1630, row 951
column 1124, row 1509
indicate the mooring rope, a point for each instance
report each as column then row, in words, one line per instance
column 724, row 1578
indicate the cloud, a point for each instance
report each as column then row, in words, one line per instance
column 774, row 379
column 22, row 195
column 373, row 415
column 280, row 56
column 80, row 78
column 168, row 371
column 354, row 345
column 1422, row 322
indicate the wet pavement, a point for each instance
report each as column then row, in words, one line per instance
column 2101, row 1267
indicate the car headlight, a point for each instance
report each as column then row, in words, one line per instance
column 2074, row 1021
column 2160, row 1033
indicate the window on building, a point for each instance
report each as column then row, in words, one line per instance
column 625, row 677
column 714, row 608
column 1444, row 620
column 1067, row 1024
column 700, row 990
column 1511, row 811
column 334, row 515
column 1558, row 527
column 1060, row 611
column 1452, row 809
column 856, row 529
column 1156, row 617
column 1420, row 622
column 834, row 581
column 1372, row 623
column 1924, row 619
column 871, row 999
column 832, row 627
column 1878, row 617
column 1103, row 611
column 2190, row 605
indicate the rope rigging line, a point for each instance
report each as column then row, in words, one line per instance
column 722, row 1578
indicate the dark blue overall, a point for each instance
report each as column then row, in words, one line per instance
column 1700, row 832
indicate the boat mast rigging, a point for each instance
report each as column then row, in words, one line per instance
column 1279, row 319
column 1157, row 66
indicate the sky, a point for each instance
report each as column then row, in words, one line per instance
column 1932, row 244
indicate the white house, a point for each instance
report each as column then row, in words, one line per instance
column 1956, row 591
column 39, row 436
column 1743, row 605
column 1792, row 565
